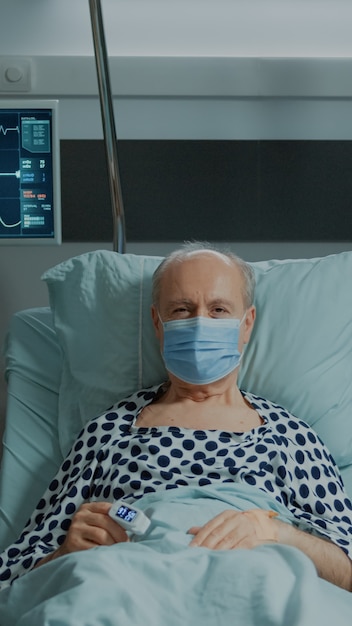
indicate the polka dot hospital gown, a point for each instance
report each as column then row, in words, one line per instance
column 112, row 458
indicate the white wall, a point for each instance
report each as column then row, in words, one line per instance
column 180, row 27
column 215, row 56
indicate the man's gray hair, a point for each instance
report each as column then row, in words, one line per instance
column 189, row 248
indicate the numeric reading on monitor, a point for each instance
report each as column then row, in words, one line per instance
column 129, row 517
column 29, row 198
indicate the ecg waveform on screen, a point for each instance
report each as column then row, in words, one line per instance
column 9, row 225
column 17, row 174
column 5, row 130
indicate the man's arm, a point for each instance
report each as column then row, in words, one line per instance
column 331, row 562
column 231, row 530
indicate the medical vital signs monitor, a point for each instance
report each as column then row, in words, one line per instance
column 30, row 209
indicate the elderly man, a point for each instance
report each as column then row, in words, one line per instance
column 197, row 428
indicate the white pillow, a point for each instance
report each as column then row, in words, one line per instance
column 101, row 308
column 300, row 354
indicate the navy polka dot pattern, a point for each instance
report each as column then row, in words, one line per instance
column 113, row 458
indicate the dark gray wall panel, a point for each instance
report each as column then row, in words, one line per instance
column 215, row 190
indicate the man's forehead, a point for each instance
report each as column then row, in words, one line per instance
column 208, row 253
column 201, row 265
column 214, row 258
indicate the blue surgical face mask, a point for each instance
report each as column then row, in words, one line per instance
column 201, row 350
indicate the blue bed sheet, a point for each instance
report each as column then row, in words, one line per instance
column 160, row 580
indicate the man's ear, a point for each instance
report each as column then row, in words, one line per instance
column 156, row 320
column 249, row 323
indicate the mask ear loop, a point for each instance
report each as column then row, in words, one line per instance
column 244, row 347
column 244, row 317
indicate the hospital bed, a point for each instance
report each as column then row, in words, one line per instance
column 95, row 344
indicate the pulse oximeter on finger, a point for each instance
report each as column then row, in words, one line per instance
column 129, row 517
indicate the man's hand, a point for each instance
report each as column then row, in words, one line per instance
column 91, row 526
column 233, row 529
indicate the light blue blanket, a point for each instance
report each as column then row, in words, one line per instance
column 160, row 581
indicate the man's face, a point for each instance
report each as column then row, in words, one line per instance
column 207, row 284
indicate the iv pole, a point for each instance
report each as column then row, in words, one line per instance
column 107, row 113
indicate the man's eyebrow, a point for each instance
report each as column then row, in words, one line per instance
column 178, row 301
column 190, row 302
column 225, row 301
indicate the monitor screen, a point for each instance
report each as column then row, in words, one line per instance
column 30, row 206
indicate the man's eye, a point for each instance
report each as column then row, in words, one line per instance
column 180, row 311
